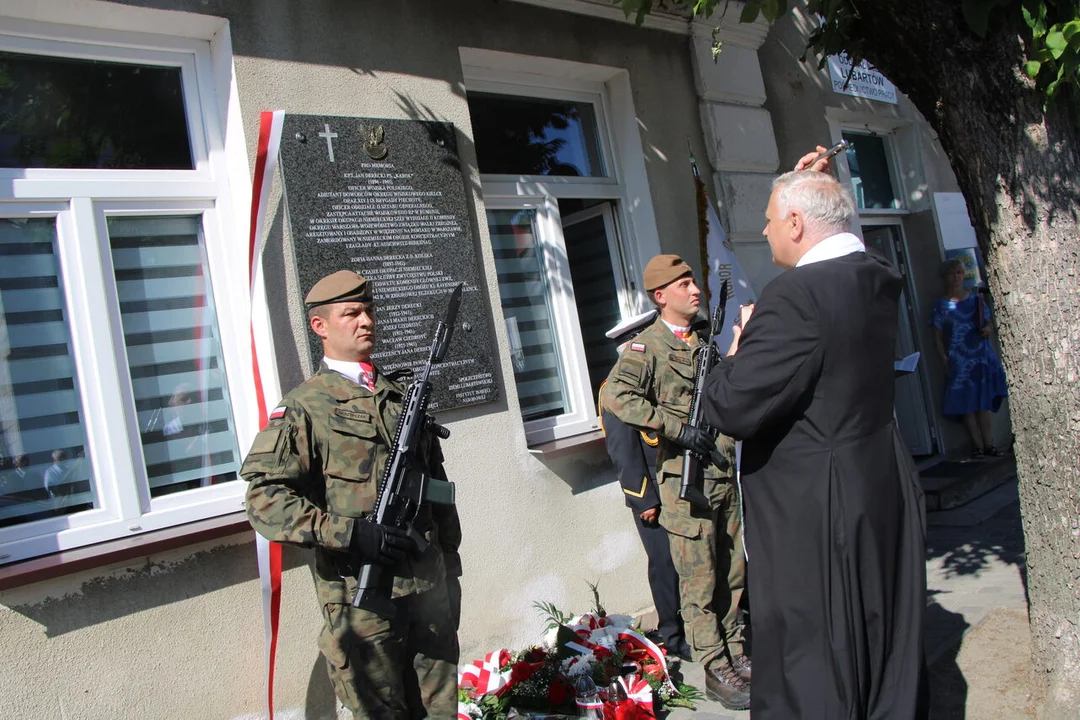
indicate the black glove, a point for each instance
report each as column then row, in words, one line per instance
column 700, row 440
column 379, row 544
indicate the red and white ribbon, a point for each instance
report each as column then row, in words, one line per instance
column 484, row 675
column 269, row 553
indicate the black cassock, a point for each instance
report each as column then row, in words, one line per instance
column 835, row 527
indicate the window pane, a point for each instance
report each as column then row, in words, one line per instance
column 65, row 113
column 533, row 136
column 871, row 181
column 44, row 470
column 529, row 325
column 174, row 352
column 594, row 293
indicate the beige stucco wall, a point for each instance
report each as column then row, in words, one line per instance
column 807, row 112
column 180, row 635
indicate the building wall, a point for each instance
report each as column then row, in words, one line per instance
column 180, row 635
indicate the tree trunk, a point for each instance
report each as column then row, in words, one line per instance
column 1019, row 169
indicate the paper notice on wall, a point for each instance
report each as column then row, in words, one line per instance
column 953, row 221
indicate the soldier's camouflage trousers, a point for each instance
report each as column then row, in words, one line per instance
column 394, row 669
column 707, row 546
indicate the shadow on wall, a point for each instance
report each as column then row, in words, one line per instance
column 320, row 703
column 152, row 585
column 587, row 468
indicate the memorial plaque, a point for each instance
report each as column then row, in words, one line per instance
column 386, row 198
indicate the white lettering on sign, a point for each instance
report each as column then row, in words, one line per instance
column 865, row 82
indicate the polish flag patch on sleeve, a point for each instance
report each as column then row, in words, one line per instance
column 279, row 412
column 637, row 347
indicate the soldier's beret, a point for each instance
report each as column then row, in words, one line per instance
column 664, row 269
column 627, row 329
column 342, row 286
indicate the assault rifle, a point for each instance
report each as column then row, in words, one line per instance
column 404, row 486
column 692, row 480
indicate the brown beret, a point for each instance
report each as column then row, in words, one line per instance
column 664, row 269
column 342, row 286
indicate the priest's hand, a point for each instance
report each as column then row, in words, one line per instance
column 696, row 439
column 736, row 333
column 806, row 162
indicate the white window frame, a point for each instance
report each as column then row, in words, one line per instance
column 841, row 121
column 626, row 184
column 80, row 200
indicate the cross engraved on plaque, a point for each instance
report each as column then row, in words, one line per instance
column 329, row 140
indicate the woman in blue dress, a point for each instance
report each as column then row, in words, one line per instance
column 974, row 380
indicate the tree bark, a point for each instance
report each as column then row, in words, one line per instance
column 1019, row 170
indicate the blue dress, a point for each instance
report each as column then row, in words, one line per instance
column 975, row 380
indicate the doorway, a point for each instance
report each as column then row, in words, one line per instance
column 912, row 399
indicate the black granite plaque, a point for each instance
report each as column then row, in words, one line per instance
column 386, row 198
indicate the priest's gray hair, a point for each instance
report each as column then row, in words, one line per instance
column 826, row 205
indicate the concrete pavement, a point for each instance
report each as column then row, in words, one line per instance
column 975, row 563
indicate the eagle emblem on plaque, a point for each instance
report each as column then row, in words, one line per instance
column 374, row 143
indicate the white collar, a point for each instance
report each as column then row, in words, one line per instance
column 349, row 369
column 831, row 248
column 676, row 328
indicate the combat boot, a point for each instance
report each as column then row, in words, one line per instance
column 723, row 684
column 743, row 666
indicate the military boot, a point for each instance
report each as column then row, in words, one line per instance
column 743, row 666
column 723, row 683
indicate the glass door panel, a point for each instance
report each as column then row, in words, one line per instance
column 589, row 237
column 912, row 409
column 526, row 306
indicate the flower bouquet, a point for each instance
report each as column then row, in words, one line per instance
column 593, row 665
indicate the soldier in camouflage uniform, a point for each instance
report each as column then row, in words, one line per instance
column 650, row 388
column 314, row 472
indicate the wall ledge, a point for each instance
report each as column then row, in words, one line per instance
column 48, row 567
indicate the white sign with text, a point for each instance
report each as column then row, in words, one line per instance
column 866, row 82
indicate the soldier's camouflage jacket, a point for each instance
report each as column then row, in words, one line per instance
column 315, row 469
column 651, row 387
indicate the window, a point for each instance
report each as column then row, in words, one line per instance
column 562, row 239
column 871, row 172
column 535, row 136
column 119, row 400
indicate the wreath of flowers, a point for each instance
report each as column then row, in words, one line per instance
column 629, row 672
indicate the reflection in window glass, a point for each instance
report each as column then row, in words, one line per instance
column 66, row 113
column 533, row 343
column 44, row 469
column 534, row 136
column 871, row 181
column 173, row 352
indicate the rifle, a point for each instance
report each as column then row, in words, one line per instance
column 404, row 486
column 692, row 479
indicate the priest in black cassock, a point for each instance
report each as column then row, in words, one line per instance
column 834, row 522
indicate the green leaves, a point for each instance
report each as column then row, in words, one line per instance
column 772, row 10
column 750, row 12
column 551, row 614
column 638, row 8
column 1053, row 50
column 1056, row 43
